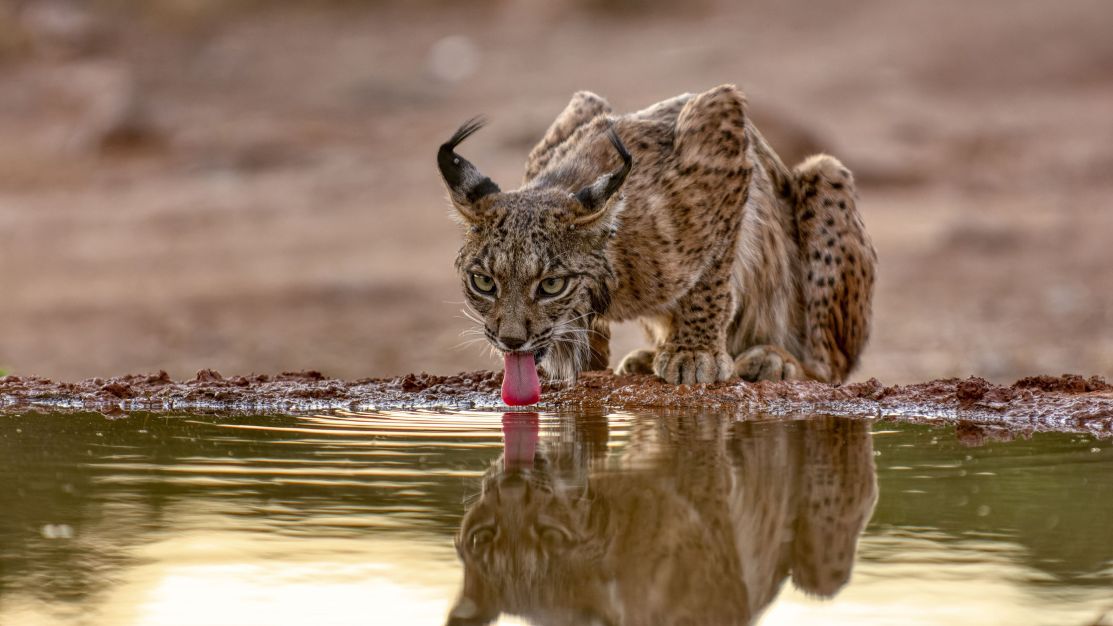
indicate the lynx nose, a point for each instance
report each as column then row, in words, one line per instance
column 513, row 332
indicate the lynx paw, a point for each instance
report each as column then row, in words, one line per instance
column 637, row 362
column 678, row 365
column 767, row 363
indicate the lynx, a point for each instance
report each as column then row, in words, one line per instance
column 680, row 216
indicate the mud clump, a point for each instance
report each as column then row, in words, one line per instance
column 208, row 376
column 120, row 390
column 1070, row 383
column 975, row 391
column 161, row 378
column 980, row 409
column 971, row 390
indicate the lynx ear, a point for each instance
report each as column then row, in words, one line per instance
column 466, row 185
column 595, row 197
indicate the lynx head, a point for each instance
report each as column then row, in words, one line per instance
column 532, row 545
column 533, row 264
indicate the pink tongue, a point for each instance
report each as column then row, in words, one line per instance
column 519, row 379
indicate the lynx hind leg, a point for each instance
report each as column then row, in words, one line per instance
column 768, row 362
column 839, row 264
column 584, row 107
column 637, row 362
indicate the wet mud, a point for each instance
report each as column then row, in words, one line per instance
column 979, row 409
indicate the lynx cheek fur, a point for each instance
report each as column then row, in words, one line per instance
column 681, row 216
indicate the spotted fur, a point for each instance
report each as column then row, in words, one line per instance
column 736, row 265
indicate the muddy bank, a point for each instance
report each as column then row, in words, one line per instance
column 1067, row 402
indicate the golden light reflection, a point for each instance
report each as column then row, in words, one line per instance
column 930, row 584
column 244, row 579
column 248, row 579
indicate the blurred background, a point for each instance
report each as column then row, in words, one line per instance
column 249, row 185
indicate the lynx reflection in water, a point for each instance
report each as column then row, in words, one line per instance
column 700, row 520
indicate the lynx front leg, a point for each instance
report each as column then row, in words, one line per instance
column 714, row 176
column 696, row 351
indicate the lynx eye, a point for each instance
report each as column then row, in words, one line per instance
column 481, row 537
column 552, row 286
column 553, row 536
column 483, row 283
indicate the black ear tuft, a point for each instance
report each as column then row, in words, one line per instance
column 616, row 141
column 465, row 183
column 467, row 129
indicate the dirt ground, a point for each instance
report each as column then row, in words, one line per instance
column 253, row 190
column 979, row 410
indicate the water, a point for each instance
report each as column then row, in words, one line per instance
column 636, row 519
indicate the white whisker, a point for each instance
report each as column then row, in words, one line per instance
column 468, row 343
column 472, row 314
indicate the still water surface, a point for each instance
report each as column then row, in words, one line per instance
column 413, row 518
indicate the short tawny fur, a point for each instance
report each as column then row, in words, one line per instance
column 736, row 264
